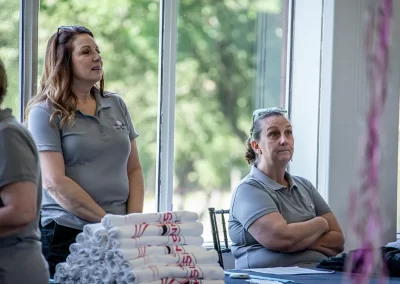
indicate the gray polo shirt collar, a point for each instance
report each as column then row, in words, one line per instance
column 5, row 114
column 101, row 101
column 271, row 184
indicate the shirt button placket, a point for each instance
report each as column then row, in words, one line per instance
column 101, row 128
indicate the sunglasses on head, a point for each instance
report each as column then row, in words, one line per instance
column 62, row 29
column 261, row 112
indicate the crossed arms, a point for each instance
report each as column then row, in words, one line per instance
column 322, row 234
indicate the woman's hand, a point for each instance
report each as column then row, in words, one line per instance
column 332, row 241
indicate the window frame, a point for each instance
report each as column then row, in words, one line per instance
column 28, row 52
column 166, row 104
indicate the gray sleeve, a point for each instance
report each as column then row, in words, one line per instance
column 250, row 203
column 18, row 162
column 321, row 207
column 47, row 136
column 132, row 132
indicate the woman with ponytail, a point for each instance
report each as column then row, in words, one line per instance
column 277, row 219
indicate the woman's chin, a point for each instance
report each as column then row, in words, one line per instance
column 284, row 160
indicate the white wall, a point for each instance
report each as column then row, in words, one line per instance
column 343, row 102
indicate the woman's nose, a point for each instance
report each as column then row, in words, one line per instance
column 283, row 140
column 97, row 57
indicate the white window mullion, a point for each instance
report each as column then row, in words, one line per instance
column 304, row 86
column 28, row 56
column 166, row 110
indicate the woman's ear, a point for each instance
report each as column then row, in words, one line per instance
column 255, row 146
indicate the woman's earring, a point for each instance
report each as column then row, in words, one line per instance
column 259, row 152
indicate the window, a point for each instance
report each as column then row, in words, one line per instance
column 228, row 63
column 230, row 59
column 9, row 51
column 127, row 35
column 398, row 191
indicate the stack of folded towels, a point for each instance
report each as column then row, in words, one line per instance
column 141, row 248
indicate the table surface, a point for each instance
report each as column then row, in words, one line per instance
column 331, row 278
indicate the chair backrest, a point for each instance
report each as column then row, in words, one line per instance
column 224, row 248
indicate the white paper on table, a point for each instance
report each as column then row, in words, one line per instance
column 292, row 270
column 259, row 281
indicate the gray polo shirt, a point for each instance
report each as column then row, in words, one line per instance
column 258, row 195
column 95, row 150
column 21, row 259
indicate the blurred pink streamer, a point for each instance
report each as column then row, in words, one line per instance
column 365, row 216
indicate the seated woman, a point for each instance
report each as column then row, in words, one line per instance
column 87, row 143
column 277, row 219
column 21, row 259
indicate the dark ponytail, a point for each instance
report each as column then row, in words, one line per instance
column 250, row 155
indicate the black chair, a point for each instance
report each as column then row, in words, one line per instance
column 215, row 233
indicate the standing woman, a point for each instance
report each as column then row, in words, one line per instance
column 21, row 259
column 87, row 145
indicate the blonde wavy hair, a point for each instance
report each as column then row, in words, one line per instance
column 55, row 85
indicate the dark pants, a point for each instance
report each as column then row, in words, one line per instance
column 56, row 240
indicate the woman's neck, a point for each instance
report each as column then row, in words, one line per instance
column 83, row 93
column 275, row 173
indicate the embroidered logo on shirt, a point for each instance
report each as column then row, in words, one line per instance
column 118, row 125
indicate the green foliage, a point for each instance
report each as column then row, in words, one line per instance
column 9, row 32
column 217, row 53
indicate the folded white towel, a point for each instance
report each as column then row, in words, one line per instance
column 75, row 248
column 65, row 273
column 100, row 265
column 186, row 281
column 71, row 259
column 75, row 260
column 208, row 257
column 111, row 220
column 59, row 279
column 153, row 273
column 96, row 252
column 110, row 255
column 115, row 265
column 95, row 277
column 81, row 238
column 128, row 254
column 96, row 233
column 84, row 253
column 107, row 276
column 154, row 241
column 156, row 229
column 91, row 264
column 85, row 274
column 74, row 272
column 94, row 229
column 62, row 270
